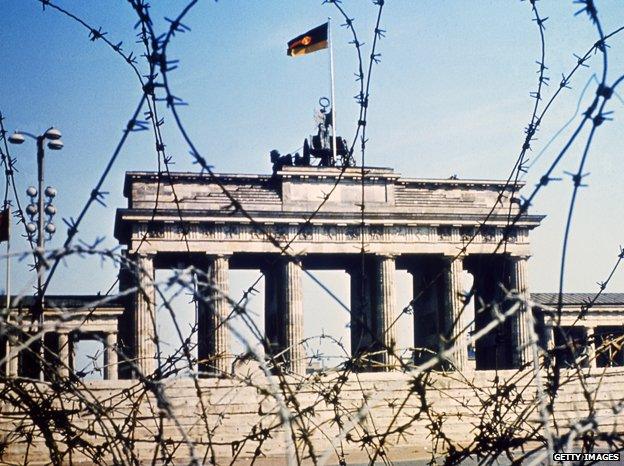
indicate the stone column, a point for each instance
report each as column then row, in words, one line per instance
column 12, row 360
column 213, row 338
column 361, row 315
column 292, row 308
column 454, row 328
column 522, row 353
column 591, row 347
column 385, row 300
column 145, row 314
column 550, row 336
column 110, row 357
column 64, row 351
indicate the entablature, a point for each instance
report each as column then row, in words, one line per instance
column 320, row 235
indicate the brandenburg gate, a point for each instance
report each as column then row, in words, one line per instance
column 425, row 226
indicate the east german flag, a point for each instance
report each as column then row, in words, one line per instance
column 313, row 40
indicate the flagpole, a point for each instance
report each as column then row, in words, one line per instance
column 11, row 365
column 333, row 90
column 8, row 267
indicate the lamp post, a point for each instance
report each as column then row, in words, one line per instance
column 53, row 138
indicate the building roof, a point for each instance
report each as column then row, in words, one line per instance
column 571, row 299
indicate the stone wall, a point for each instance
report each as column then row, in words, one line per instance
column 119, row 421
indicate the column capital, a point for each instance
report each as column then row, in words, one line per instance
column 208, row 260
column 143, row 254
column 384, row 255
column 451, row 258
column 110, row 338
column 218, row 255
column 520, row 257
column 129, row 259
column 290, row 258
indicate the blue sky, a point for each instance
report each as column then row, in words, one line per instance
column 451, row 96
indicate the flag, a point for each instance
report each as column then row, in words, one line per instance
column 313, row 40
column 5, row 221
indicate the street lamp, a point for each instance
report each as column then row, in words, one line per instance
column 43, row 206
